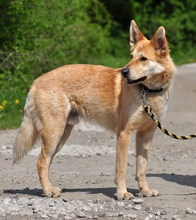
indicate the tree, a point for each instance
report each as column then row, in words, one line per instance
column 178, row 18
column 41, row 35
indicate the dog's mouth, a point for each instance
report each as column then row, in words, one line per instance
column 137, row 80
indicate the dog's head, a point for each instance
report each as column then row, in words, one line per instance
column 149, row 58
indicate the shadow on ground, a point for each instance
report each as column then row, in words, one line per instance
column 185, row 180
column 109, row 192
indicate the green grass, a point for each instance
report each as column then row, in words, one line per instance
column 10, row 121
column 11, row 110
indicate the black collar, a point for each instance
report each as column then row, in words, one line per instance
column 151, row 90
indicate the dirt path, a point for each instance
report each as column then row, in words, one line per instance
column 85, row 168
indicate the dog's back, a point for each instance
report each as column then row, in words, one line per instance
column 68, row 93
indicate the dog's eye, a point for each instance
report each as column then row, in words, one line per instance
column 131, row 56
column 143, row 59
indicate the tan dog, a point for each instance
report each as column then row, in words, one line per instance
column 109, row 97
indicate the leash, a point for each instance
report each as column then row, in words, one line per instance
column 154, row 117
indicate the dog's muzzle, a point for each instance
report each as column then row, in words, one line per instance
column 125, row 72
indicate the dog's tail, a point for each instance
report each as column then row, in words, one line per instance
column 27, row 134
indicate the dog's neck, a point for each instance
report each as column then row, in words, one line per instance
column 151, row 90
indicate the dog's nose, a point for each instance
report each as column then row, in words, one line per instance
column 125, row 72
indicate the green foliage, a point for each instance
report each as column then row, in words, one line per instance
column 41, row 35
column 178, row 18
column 11, row 110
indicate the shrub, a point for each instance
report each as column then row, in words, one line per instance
column 41, row 35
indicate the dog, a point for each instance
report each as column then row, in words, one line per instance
column 106, row 96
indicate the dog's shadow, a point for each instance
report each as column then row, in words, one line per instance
column 185, row 180
column 110, row 192
column 26, row 191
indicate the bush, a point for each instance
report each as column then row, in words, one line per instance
column 41, row 35
column 178, row 18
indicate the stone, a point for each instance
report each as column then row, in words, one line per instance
column 131, row 216
column 101, row 215
column 95, row 217
column 86, row 208
column 54, row 216
column 44, row 216
column 138, row 201
column 121, row 204
column 137, row 207
column 190, row 211
column 80, row 214
column 130, row 206
column 148, row 209
column 120, row 214
column 174, row 217
column 163, row 212
column 6, row 201
column 150, row 216
column 157, row 213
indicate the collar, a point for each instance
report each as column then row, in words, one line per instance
column 143, row 87
column 143, row 93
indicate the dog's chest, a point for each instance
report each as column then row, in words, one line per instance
column 138, row 118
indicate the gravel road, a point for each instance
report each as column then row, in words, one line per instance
column 84, row 169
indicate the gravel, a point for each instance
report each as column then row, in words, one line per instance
column 47, row 208
column 50, row 208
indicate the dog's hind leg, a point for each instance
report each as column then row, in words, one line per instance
column 66, row 134
column 53, row 138
column 143, row 142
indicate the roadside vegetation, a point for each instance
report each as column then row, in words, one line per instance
column 38, row 36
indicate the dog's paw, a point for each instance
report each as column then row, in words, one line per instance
column 150, row 192
column 53, row 192
column 123, row 196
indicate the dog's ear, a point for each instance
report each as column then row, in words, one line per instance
column 159, row 41
column 135, row 34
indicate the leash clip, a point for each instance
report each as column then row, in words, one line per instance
column 143, row 95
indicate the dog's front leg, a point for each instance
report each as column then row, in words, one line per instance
column 121, row 165
column 143, row 142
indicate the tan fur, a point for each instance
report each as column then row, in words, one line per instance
column 101, row 95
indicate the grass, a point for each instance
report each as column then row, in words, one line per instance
column 12, row 104
column 11, row 110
